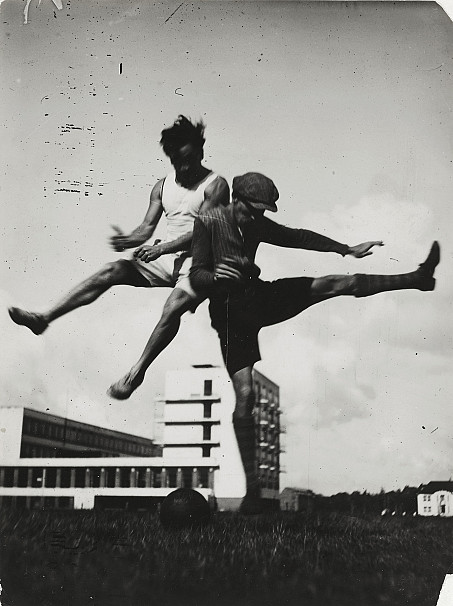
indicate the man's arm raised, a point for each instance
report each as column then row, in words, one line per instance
column 145, row 230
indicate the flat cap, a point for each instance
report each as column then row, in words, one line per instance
column 257, row 189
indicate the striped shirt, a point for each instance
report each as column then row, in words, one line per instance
column 216, row 236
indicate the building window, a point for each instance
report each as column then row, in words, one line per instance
column 125, row 477
column 65, row 480
column 171, row 477
column 8, row 477
column 80, row 477
column 207, row 432
column 141, row 477
column 187, row 477
column 203, row 477
column 36, row 478
column 206, row 451
column 95, row 480
column 207, row 410
column 157, row 478
column 51, row 477
column 207, row 387
column 110, row 473
column 22, row 477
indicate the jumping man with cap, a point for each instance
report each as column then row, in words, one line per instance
column 224, row 245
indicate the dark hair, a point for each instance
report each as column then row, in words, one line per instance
column 181, row 133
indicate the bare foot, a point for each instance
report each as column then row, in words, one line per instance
column 35, row 322
column 125, row 387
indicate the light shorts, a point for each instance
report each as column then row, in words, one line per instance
column 170, row 270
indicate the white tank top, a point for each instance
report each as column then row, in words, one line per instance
column 182, row 205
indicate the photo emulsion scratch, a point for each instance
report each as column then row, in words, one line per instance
column 226, row 298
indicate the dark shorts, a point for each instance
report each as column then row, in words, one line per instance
column 238, row 317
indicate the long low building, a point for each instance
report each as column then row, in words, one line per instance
column 53, row 462
column 84, row 483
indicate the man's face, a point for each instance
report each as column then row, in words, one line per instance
column 245, row 213
column 186, row 162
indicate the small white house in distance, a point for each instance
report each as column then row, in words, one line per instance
column 435, row 499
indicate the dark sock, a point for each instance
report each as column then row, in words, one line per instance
column 368, row 284
column 421, row 279
column 244, row 428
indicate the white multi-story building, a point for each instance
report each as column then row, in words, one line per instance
column 50, row 461
column 435, row 499
column 198, row 410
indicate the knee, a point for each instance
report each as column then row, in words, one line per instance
column 112, row 273
column 245, row 401
column 174, row 309
column 333, row 286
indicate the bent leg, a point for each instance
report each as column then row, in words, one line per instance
column 165, row 331
column 115, row 273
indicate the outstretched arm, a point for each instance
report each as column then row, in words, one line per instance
column 280, row 235
column 216, row 193
column 145, row 230
column 364, row 249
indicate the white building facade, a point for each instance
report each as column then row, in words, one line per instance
column 198, row 408
column 435, row 499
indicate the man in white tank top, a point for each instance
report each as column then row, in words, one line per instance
column 180, row 196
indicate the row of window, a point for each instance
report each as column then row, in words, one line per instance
column 49, row 430
column 109, row 477
column 33, row 451
column 267, row 436
column 264, row 392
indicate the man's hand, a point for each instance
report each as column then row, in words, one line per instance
column 364, row 249
column 148, row 253
column 227, row 271
column 120, row 242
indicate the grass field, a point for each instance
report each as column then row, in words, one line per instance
column 127, row 559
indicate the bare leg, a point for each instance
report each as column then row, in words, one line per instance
column 165, row 331
column 244, row 429
column 118, row 272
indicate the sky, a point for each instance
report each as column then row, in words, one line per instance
column 346, row 106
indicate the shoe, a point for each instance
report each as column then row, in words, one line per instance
column 124, row 388
column 35, row 322
column 427, row 268
column 252, row 504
